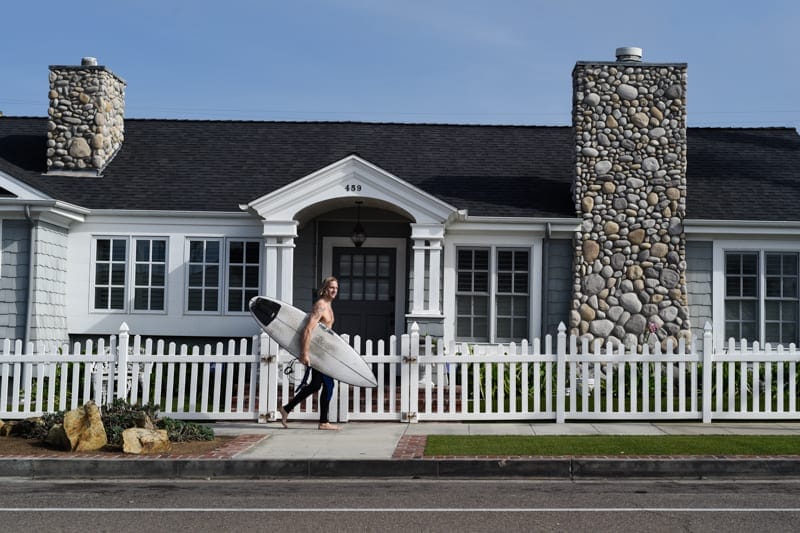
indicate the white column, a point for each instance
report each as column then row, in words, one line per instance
column 271, row 267
column 419, row 277
column 434, row 275
column 279, row 258
column 427, row 245
column 286, row 287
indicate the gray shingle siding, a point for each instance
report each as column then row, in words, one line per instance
column 14, row 278
column 558, row 289
column 699, row 258
column 49, row 322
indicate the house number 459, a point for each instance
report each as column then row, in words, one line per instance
column 352, row 187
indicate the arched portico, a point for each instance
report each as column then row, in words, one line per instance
column 289, row 216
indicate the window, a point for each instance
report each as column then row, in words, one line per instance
column 761, row 296
column 204, row 263
column 512, row 294
column 149, row 283
column 223, row 275
column 109, row 273
column 492, row 297
column 244, row 258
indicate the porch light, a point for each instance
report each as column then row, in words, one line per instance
column 359, row 236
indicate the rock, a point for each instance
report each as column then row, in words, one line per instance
column 591, row 250
column 84, row 428
column 144, row 441
column 601, row 328
column 79, row 148
column 602, row 167
column 630, row 302
column 627, row 92
column 57, row 438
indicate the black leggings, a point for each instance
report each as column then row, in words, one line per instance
column 318, row 379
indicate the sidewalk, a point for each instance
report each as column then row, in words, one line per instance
column 391, row 449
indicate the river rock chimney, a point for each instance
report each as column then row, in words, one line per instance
column 86, row 126
column 629, row 122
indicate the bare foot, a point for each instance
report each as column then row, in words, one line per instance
column 284, row 416
column 329, row 426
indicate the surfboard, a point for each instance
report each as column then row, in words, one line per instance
column 329, row 353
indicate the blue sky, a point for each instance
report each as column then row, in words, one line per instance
column 443, row 61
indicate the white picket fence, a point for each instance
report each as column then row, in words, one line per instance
column 419, row 380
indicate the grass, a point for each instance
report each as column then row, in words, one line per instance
column 614, row 445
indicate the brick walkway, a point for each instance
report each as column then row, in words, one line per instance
column 410, row 447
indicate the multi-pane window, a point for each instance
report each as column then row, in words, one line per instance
column 243, row 273
column 761, row 296
column 492, row 297
column 512, row 294
column 204, row 267
column 365, row 276
column 149, row 283
column 109, row 274
column 472, row 294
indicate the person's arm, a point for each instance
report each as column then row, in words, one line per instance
column 313, row 319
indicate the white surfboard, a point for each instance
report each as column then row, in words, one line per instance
column 329, row 353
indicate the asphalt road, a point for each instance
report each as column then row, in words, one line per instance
column 398, row 505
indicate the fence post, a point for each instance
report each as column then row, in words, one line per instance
column 404, row 377
column 413, row 371
column 708, row 352
column 267, row 379
column 122, row 361
column 561, row 367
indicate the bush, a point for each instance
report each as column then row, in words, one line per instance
column 180, row 431
column 118, row 416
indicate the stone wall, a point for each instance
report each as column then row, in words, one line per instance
column 629, row 122
column 86, row 112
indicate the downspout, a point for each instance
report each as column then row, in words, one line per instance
column 548, row 232
column 31, row 255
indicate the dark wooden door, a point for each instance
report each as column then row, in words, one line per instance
column 366, row 301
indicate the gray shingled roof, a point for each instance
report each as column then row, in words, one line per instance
column 521, row 171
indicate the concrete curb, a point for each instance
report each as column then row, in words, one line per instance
column 545, row 468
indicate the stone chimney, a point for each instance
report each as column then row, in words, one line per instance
column 85, row 127
column 629, row 121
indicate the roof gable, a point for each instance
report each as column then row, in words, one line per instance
column 348, row 180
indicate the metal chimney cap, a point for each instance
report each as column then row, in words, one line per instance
column 629, row 53
column 89, row 62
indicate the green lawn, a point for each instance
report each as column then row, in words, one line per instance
column 616, row 445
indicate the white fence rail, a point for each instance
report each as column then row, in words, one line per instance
column 419, row 380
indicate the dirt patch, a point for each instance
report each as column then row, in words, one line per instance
column 20, row 446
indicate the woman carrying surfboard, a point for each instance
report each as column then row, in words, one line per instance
column 322, row 311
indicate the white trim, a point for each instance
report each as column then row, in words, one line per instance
column 532, row 243
column 329, row 243
column 348, row 179
column 186, row 254
column 132, row 274
column 721, row 246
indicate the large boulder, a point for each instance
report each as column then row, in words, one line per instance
column 84, row 428
column 141, row 441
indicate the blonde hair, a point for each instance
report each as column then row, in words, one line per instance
column 325, row 283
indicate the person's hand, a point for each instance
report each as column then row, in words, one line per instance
column 305, row 359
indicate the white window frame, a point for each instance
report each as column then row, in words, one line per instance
column 132, row 276
column 721, row 247
column 222, row 280
column 220, row 275
column 226, row 274
column 494, row 243
column 93, row 271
